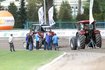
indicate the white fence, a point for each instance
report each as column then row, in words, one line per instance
column 59, row 32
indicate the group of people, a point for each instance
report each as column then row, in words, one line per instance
column 47, row 39
column 50, row 41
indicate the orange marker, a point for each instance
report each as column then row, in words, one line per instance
column 6, row 20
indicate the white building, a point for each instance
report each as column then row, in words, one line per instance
column 6, row 3
column 73, row 4
column 57, row 3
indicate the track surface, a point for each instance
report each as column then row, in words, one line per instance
column 87, row 59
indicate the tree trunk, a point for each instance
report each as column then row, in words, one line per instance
column 79, row 6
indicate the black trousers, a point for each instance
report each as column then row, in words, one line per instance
column 37, row 44
column 27, row 46
column 12, row 47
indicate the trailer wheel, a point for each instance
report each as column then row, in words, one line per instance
column 73, row 43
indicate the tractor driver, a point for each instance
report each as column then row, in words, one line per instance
column 86, row 27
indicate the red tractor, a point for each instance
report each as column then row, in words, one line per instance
column 41, row 30
column 86, row 35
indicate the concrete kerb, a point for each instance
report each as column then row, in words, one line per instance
column 53, row 61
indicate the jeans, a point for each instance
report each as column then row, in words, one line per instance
column 30, row 46
column 55, row 45
column 49, row 46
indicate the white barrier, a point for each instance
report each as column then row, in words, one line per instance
column 59, row 32
column 65, row 32
column 72, row 32
column 16, row 33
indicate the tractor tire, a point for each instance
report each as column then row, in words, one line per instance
column 73, row 43
column 98, row 40
column 81, row 41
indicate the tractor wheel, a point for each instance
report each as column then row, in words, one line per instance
column 98, row 40
column 73, row 43
column 81, row 41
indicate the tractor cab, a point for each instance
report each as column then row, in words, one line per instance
column 37, row 28
column 41, row 29
column 84, row 25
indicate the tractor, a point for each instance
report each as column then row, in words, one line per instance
column 86, row 35
column 41, row 30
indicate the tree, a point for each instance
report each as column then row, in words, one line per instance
column 79, row 6
column 1, row 7
column 96, row 10
column 12, row 8
column 86, row 10
column 65, row 12
column 2, row 0
column 96, row 7
column 22, row 15
column 102, row 8
column 55, row 14
column 33, row 6
column 80, row 16
column 84, row 15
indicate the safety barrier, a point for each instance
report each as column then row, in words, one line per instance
column 59, row 32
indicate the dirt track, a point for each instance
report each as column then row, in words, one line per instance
column 79, row 61
column 87, row 59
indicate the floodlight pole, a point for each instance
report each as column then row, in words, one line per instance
column 45, row 19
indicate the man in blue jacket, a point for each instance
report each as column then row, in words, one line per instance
column 48, row 41
column 55, row 41
column 37, row 40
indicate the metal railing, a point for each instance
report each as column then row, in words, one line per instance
column 100, row 24
column 64, row 25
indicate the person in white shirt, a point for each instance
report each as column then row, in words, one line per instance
column 11, row 43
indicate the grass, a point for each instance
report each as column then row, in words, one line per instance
column 25, row 60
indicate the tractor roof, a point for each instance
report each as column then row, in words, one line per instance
column 84, row 22
column 44, row 26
